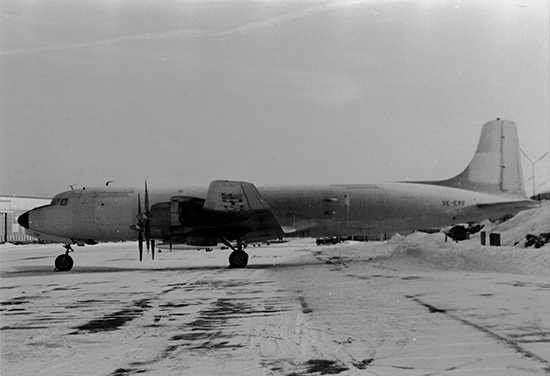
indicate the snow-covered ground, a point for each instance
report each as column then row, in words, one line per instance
column 411, row 306
column 513, row 231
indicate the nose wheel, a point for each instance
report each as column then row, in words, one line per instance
column 64, row 262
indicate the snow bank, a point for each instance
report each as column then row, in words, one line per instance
column 513, row 231
column 432, row 251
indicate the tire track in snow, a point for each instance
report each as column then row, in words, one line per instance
column 501, row 339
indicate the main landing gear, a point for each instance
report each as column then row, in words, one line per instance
column 238, row 258
column 64, row 262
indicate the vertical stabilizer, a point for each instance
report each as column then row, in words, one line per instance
column 496, row 166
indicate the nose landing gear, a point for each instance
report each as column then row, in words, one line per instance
column 64, row 262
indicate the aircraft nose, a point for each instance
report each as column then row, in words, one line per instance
column 23, row 220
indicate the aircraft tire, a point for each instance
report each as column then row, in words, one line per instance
column 238, row 259
column 64, row 263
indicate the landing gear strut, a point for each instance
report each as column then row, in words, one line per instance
column 238, row 258
column 64, row 262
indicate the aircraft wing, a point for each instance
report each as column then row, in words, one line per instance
column 249, row 208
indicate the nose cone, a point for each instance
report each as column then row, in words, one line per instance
column 23, row 220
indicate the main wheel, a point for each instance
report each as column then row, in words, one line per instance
column 64, row 263
column 238, row 259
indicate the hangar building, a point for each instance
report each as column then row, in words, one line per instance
column 11, row 207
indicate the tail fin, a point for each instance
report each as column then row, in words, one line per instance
column 496, row 166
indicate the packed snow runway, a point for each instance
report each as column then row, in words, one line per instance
column 415, row 306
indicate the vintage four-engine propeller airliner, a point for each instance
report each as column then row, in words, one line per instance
column 236, row 212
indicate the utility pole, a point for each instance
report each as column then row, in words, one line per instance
column 533, row 167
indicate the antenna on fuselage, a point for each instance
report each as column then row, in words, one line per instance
column 72, row 186
column 109, row 181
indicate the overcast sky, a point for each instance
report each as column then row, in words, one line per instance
column 272, row 92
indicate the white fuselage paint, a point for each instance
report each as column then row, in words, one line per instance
column 335, row 210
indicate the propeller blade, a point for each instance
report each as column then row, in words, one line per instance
column 140, row 232
column 146, row 198
column 148, row 234
column 140, row 243
column 147, row 222
column 153, row 248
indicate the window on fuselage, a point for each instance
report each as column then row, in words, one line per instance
column 55, row 201
column 64, row 201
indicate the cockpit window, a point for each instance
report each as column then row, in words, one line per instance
column 55, row 201
column 64, row 201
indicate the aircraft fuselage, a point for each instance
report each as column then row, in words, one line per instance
column 317, row 211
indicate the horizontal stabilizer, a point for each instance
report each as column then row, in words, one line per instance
column 498, row 209
column 516, row 205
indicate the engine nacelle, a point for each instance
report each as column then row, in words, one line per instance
column 181, row 216
column 160, row 216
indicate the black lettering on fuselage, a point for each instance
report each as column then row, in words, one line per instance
column 453, row 202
